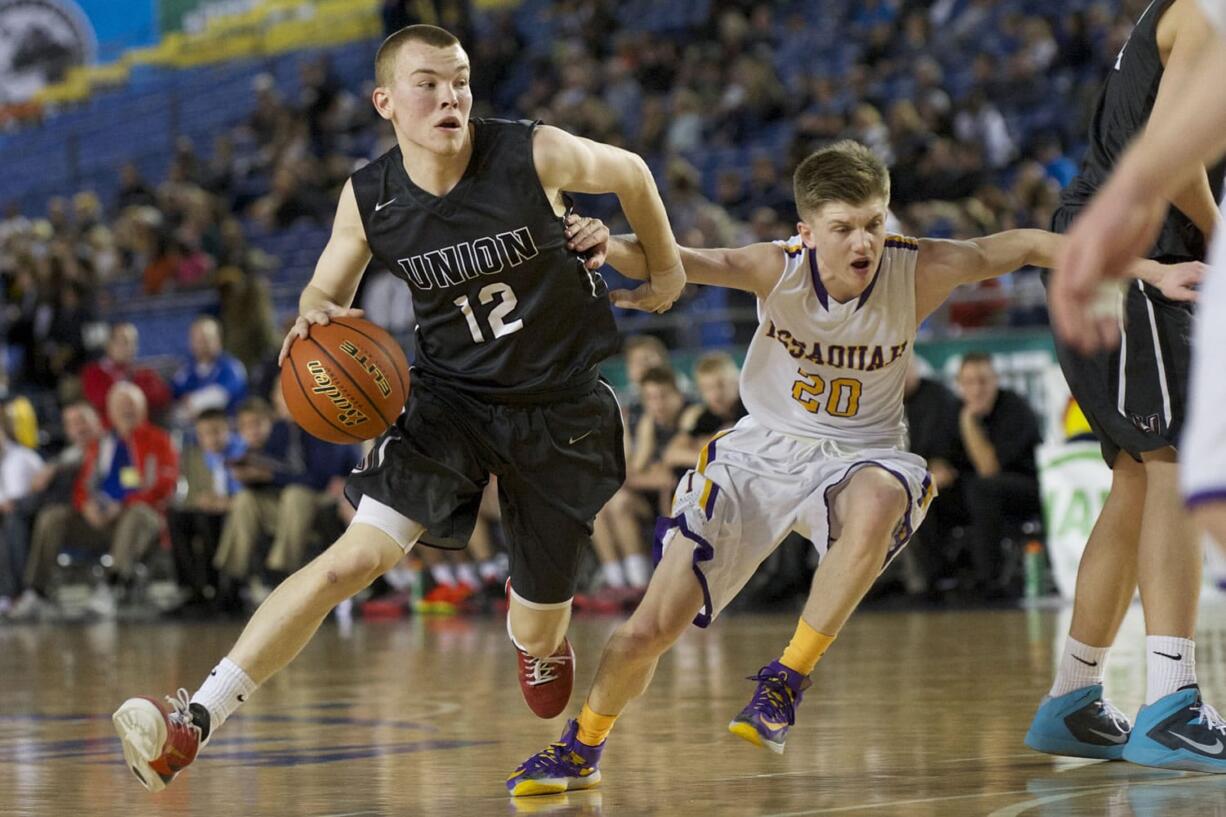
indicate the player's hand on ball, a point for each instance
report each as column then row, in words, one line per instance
column 588, row 237
column 322, row 316
column 1181, row 281
column 657, row 295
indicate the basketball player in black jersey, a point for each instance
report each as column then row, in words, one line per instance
column 1134, row 399
column 512, row 325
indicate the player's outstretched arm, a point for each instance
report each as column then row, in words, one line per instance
column 572, row 163
column 755, row 268
column 337, row 273
column 944, row 265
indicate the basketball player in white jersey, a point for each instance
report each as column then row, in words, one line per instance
column 822, row 452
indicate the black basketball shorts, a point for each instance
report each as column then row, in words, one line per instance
column 557, row 462
column 1135, row 396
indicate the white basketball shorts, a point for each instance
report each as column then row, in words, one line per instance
column 753, row 486
column 1203, row 452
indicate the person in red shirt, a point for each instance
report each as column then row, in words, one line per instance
column 98, row 377
column 127, row 478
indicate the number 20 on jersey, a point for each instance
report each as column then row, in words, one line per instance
column 843, row 394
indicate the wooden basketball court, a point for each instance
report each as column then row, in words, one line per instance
column 911, row 714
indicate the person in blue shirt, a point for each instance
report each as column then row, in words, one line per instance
column 211, row 379
column 207, row 488
column 285, row 475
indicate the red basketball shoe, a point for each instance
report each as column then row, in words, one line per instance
column 547, row 682
column 159, row 739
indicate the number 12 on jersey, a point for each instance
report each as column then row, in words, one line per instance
column 499, row 326
column 843, row 400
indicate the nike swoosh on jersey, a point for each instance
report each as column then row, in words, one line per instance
column 1208, row 748
column 574, row 440
column 381, row 205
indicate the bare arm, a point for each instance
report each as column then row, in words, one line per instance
column 979, row 448
column 944, row 265
column 337, row 273
column 1127, row 212
column 1189, row 32
column 567, row 162
column 755, row 268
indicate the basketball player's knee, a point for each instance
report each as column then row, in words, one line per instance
column 353, row 565
column 882, row 492
column 647, row 636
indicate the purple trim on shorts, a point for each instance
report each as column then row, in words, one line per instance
column 908, row 531
column 1205, row 497
column 703, row 552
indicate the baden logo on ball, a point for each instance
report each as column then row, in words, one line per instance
column 346, row 382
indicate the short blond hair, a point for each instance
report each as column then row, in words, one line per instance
column 846, row 171
column 715, row 363
column 385, row 58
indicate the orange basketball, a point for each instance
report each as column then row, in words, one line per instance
column 346, row 382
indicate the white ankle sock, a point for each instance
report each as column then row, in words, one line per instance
column 224, row 691
column 1170, row 665
column 614, row 575
column 638, row 570
column 1080, row 666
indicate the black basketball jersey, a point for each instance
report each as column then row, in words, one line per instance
column 1123, row 108
column 503, row 307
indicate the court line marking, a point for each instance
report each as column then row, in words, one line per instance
column 1006, row 811
column 890, row 803
column 1020, row 808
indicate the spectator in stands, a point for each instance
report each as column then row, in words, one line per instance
column 663, row 405
column 285, row 474
column 289, row 200
column 197, row 518
column 998, row 432
column 642, row 354
column 719, row 387
column 248, row 319
column 932, row 422
column 118, row 365
column 133, row 191
column 618, row 539
column 53, row 495
column 19, row 466
column 212, row 378
column 127, row 479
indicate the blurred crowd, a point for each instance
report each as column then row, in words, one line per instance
column 976, row 105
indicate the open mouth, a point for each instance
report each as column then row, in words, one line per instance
column 861, row 265
column 451, row 124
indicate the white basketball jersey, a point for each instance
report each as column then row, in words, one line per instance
column 829, row 370
column 1215, row 10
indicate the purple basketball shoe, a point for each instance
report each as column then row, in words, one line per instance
column 765, row 721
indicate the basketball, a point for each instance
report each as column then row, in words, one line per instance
column 346, row 382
